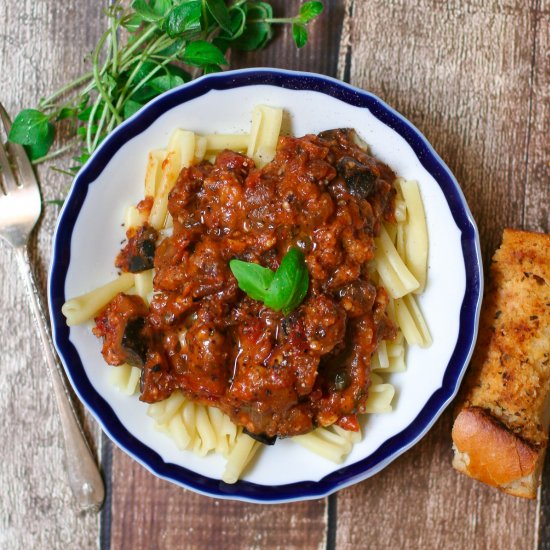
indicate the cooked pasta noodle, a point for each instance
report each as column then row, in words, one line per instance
column 144, row 284
column 244, row 449
column 181, row 153
column 154, row 172
column 395, row 275
column 84, row 307
column 235, row 142
column 326, row 443
column 264, row 134
column 416, row 243
column 125, row 378
column 133, row 218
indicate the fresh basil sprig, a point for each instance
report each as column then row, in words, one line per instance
column 165, row 43
column 282, row 290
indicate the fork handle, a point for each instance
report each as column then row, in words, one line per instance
column 84, row 477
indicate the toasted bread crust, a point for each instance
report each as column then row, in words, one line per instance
column 494, row 454
column 501, row 430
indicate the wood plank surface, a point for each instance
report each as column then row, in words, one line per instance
column 462, row 73
column 474, row 77
column 38, row 53
column 148, row 512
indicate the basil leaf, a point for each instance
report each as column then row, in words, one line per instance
column 252, row 278
column 299, row 33
column 309, row 11
column 33, row 129
column 183, row 18
column 290, row 284
column 202, row 53
column 220, row 13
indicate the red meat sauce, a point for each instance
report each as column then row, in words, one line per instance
column 274, row 375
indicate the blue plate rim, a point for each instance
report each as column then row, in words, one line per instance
column 391, row 448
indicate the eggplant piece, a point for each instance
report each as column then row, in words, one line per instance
column 133, row 343
column 359, row 178
column 139, row 253
column 262, row 438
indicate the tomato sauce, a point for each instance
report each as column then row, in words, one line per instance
column 275, row 375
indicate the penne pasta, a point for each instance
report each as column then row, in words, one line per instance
column 241, row 454
column 395, row 275
column 181, row 153
column 133, row 218
column 320, row 442
column 407, row 324
column 144, row 284
column 264, row 133
column 416, row 243
column 419, row 321
column 84, row 307
column 154, row 172
column 234, row 142
column 125, row 378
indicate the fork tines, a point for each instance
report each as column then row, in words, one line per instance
column 19, row 160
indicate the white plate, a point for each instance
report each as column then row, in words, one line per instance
column 113, row 179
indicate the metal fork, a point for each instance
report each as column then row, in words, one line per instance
column 20, row 206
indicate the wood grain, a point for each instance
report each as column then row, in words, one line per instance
column 37, row 54
column 462, row 73
column 148, row 512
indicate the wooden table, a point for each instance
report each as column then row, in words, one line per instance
column 474, row 77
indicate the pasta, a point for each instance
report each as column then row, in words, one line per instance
column 400, row 265
column 83, row 308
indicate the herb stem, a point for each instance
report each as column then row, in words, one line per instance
column 281, row 20
column 97, row 77
column 55, row 153
column 64, row 89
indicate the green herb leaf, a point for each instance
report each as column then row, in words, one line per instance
column 145, row 11
column 202, row 53
column 290, row 284
column 252, row 278
column 220, row 13
column 299, row 33
column 33, row 129
column 238, row 23
column 256, row 32
column 309, row 11
column 162, row 6
column 283, row 290
column 131, row 107
column 66, row 112
column 155, row 87
column 184, row 18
